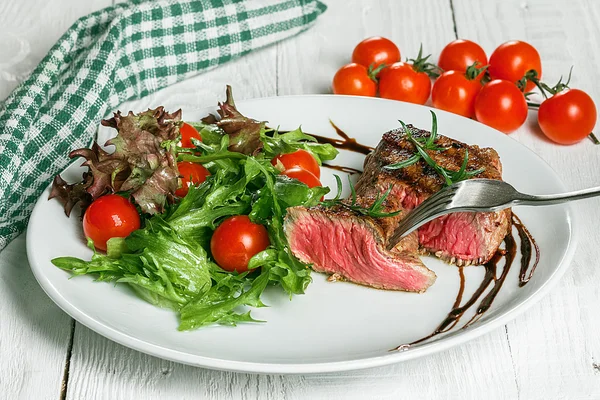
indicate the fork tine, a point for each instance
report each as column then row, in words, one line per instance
column 430, row 206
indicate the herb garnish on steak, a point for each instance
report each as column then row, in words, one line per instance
column 339, row 240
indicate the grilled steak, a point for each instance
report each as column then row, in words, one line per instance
column 465, row 238
column 338, row 240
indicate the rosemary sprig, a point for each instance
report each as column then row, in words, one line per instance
column 422, row 144
column 375, row 210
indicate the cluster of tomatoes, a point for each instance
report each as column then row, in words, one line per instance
column 494, row 92
column 235, row 241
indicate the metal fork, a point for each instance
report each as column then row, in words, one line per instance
column 477, row 195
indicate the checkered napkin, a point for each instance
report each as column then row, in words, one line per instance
column 113, row 55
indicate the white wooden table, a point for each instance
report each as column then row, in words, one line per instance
column 550, row 352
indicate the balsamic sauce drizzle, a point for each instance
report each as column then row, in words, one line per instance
column 342, row 168
column 491, row 277
column 346, row 143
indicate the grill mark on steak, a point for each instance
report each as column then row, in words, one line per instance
column 461, row 238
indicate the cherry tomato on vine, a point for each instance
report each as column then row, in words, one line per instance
column 354, row 79
column 512, row 60
column 501, row 105
column 304, row 176
column 301, row 159
column 568, row 116
column 401, row 82
column 109, row 216
column 455, row 92
column 375, row 51
column 191, row 174
column 460, row 54
column 187, row 133
column 235, row 241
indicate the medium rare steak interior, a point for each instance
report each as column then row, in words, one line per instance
column 339, row 240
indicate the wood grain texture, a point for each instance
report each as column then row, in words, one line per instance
column 555, row 345
column 29, row 29
column 307, row 63
column 34, row 332
column 550, row 352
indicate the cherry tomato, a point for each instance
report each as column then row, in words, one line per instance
column 354, row 79
column 401, row 82
column 187, row 133
column 460, row 54
column 191, row 174
column 511, row 61
column 454, row 92
column 304, row 176
column 501, row 105
column 568, row 116
column 109, row 216
column 301, row 159
column 236, row 241
column 375, row 51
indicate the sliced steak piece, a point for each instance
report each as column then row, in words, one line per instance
column 464, row 238
column 336, row 240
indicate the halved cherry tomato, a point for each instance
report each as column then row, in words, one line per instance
column 354, row 79
column 375, row 51
column 501, row 105
column 187, row 133
column 460, row 54
column 456, row 93
column 191, row 174
column 308, row 178
column 109, row 216
column 512, row 60
column 301, row 159
column 568, row 116
column 401, row 82
column 236, row 241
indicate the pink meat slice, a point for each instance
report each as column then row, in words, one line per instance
column 352, row 246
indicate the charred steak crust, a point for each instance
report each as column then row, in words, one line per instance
column 338, row 241
column 461, row 238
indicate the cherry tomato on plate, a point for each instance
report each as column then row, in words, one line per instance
column 235, row 241
column 301, row 159
column 109, row 216
column 501, row 105
column 400, row 81
column 460, row 54
column 354, row 79
column 304, row 176
column 191, row 174
column 568, row 116
column 375, row 51
column 512, row 60
column 454, row 91
column 188, row 133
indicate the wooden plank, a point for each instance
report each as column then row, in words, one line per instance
column 29, row 29
column 554, row 345
column 34, row 333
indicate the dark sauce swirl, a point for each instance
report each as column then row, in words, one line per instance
column 491, row 278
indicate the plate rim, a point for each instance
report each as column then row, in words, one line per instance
column 313, row 367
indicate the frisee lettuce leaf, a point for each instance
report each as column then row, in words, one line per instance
column 168, row 262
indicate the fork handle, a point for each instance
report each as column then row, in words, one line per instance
column 550, row 199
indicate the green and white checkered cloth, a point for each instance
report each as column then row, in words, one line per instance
column 113, row 55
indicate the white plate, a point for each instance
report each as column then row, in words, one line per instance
column 335, row 326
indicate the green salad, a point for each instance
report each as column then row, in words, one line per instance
column 170, row 260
